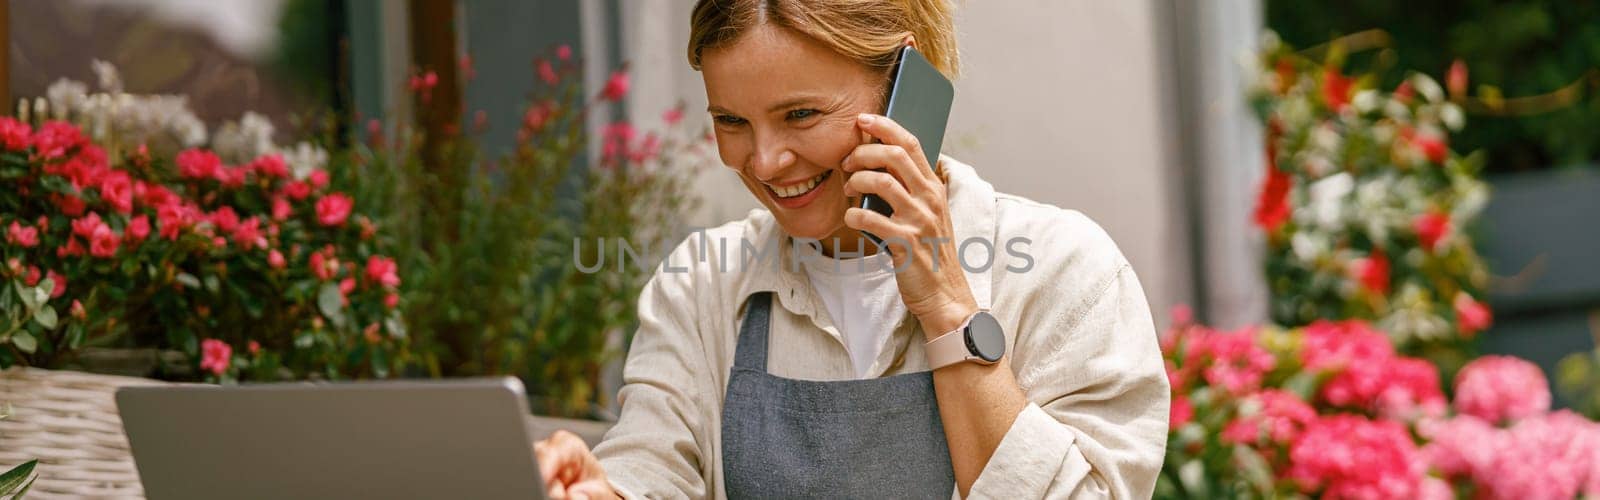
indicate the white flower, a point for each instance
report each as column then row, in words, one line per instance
column 244, row 140
column 1325, row 138
column 304, row 158
column 1366, row 101
column 1426, row 86
column 1451, row 115
column 106, row 73
column 65, row 96
column 1269, row 41
column 1308, row 247
column 1327, row 199
column 1382, row 133
column 1396, row 110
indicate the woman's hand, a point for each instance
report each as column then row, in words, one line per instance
column 569, row 469
column 930, row 277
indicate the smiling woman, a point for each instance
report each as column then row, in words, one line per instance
column 913, row 376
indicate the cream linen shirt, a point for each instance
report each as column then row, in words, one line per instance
column 1078, row 332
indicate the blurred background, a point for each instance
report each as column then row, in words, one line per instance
column 1428, row 169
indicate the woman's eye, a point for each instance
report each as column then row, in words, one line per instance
column 729, row 120
column 801, row 114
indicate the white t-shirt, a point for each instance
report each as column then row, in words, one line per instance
column 862, row 298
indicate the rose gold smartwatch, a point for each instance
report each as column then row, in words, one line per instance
column 979, row 340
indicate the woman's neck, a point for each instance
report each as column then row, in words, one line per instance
column 849, row 242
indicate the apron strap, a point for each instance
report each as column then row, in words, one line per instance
column 751, row 352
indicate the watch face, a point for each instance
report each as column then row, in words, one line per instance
column 985, row 339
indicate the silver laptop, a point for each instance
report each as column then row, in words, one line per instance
column 404, row 439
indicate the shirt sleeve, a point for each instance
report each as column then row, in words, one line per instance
column 1096, row 424
column 653, row 450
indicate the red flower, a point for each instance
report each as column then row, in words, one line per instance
column 248, row 234
column 199, row 164
column 536, row 116
column 564, row 52
column 215, row 355
column 382, row 270
column 32, row 277
column 174, row 217
column 23, row 236
column 275, row 259
column 138, row 228
column 672, row 116
column 1272, row 203
column 333, row 209
column 346, row 286
column 616, row 86
column 1455, row 80
column 254, row 347
column 77, row 310
column 1279, row 416
column 57, row 138
column 1180, row 413
column 1372, row 272
column 15, row 135
column 1349, row 456
column 103, row 243
column 324, row 265
column 391, row 300
column 1431, row 228
column 224, row 219
column 1471, row 316
column 1404, row 92
column 71, row 206
column 1335, row 89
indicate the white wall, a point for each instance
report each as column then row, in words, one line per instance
column 1061, row 101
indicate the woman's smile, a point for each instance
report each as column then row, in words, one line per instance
column 798, row 194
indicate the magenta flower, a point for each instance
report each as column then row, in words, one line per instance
column 616, row 86
column 1349, row 456
column 333, row 209
column 215, row 356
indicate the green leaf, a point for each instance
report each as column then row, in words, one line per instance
column 29, row 300
column 42, row 292
column 24, row 341
column 45, row 316
column 16, row 479
column 212, row 283
column 329, row 300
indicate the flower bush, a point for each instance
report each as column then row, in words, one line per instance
column 1331, row 409
column 1365, row 207
column 251, row 269
column 489, row 244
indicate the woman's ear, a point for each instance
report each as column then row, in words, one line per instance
column 911, row 41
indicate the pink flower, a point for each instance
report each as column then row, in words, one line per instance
column 382, row 270
column 254, row 347
column 116, row 189
column 547, row 73
column 225, row 219
column 297, row 190
column 1412, row 392
column 199, row 164
column 564, row 52
column 1431, row 228
column 275, row 259
column 1455, row 80
column 1361, row 359
column 174, row 217
column 616, row 137
column 333, row 209
column 60, row 283
column 318, row 178
column 15, row 135
column 1238, row 362
column 57, row 138
column 1500, row 388
column 215, row 355
column 85, row 226
column 1349, row 456
column 1545, row 456
column 1461, row 446
column 32, row 276
column 1277, row 414
column 536, row 116
column 271, row 166
column 616, row 86
column 1471, row 316
column 248, row 234
column 77, row 311
column 103, row 243
column 672, row 116
column 346, row 286
column 323, row 264
column 281, row 209
column 20, row 235
column 71, row 206
column 138, row 228
column 391, row 300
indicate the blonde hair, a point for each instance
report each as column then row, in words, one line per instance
column 868, row 31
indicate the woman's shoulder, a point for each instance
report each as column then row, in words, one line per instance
column 1064, row 237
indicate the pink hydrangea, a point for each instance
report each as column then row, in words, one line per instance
column 1180, row 413
column 1349, row 456
column 1459, row 447
column 1413, row 390
column 1276, row 414
column 1238, row 363
column 1500, row 388
column 1548, row 456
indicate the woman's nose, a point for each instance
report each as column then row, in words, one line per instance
column 770, row 158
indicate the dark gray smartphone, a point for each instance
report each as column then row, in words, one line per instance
column 919, row 100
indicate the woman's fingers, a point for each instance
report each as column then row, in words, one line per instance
column 888, row 158
column 893, row 234
column 881, row 184
column 891, row 133
column 562, row 458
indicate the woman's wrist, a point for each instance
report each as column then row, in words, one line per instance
column 946, row 319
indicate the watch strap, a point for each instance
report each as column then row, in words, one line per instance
column 949, row 348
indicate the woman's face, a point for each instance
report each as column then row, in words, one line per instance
column 784, row 108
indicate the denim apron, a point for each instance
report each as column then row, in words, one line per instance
column 786, row 438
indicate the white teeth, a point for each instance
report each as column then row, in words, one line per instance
column 798, row 189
